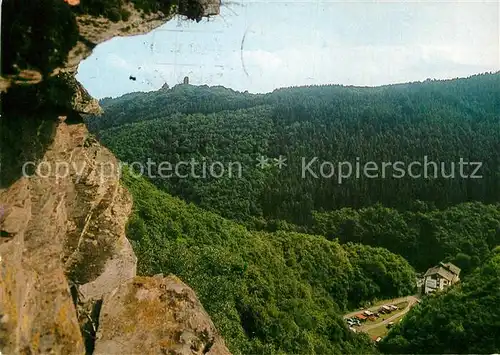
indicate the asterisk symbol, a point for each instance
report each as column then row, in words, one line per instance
column 262, row 162
column 280, row 162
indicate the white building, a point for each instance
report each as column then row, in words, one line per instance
column 440, row 277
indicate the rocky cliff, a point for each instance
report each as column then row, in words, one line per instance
column 68, row 281
column 164, row 304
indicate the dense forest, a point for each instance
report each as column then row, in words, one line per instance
column 463, row 234
column 268, row 293
column 441, row 120
column 462, row 320
column 277, row 253
column 424, row 219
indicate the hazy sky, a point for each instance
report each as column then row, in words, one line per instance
column 259, row 46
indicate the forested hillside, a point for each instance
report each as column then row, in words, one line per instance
column 463, row 234
column 267, row 293
column 443, row 120
column 277, row 253
column 463, row 320
column 424, row 219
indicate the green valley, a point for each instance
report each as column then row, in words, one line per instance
column 277, row 256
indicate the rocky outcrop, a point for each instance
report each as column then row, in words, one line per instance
column 81, row 101
column 34, row 50
column 156, row 315
column 35, row 301
column 66, row 221
column 66, row 266
column 67, row 218
column 97, row 30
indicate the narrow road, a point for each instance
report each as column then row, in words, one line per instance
column 410, row 299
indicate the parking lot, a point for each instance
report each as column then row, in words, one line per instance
column 378, row 319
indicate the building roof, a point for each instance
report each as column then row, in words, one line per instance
column 446, row 270
column 453, row 268
column 360, row 316
column 441, row 271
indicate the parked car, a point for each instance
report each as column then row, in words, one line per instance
column 385, row 309
column 353, row 322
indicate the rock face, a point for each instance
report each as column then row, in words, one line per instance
column 67, row 219
column 155, row 315
column 67, row 270
column 35, row 300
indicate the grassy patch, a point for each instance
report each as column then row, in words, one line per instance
column 382, row 330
